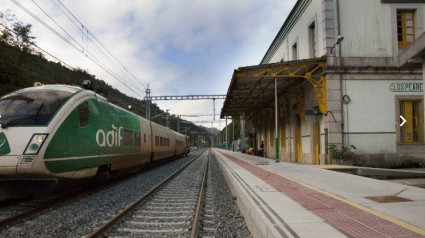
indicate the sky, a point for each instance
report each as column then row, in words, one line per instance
column 177, row 47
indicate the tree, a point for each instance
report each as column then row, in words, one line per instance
column 23, row 39
column 5, row 19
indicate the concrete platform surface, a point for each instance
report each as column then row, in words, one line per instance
column 292, row 200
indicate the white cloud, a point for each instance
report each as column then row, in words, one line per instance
column 177, row 47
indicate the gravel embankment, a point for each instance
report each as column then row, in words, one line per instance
column 221, row 215
column 80, row 218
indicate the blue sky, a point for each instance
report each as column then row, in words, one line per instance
column 178, row 47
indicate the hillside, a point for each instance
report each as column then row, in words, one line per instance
column 20, row 69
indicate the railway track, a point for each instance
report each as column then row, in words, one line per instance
column 16, row 213
column 172, row 208
column 30, row 208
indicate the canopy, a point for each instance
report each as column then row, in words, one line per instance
column 253, row 87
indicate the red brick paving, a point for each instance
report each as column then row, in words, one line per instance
column 348, row 219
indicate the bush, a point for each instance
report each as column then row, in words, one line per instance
column 343, row 153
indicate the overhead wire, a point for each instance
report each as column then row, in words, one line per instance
column 83, row 32
column 92, row 58
column 82, row 47
column 94, row 37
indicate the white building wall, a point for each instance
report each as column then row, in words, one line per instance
column 371, row 117
column 300, row 35
column 370, row 33
column 369, row 27
column 366, row 27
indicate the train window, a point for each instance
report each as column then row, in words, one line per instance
column 156, row 140
column 128, row 137
column 83, row 114
column 137, row 139
column 144, row 137
column 161, row 141
column 27, row 108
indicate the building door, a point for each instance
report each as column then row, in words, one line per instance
column 412, row 131
column 298, row 138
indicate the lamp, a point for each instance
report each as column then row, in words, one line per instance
column 338, row 40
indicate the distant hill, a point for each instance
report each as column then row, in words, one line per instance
column 20, row 69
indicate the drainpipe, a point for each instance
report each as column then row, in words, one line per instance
column 326, row 145
column 340, row 64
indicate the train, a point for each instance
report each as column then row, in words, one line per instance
column 60, row 132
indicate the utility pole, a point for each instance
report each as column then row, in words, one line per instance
column 148, row 103
column 178, row 124
column 242, row 131
column 233, row 135
column 167, row 118
column 276, row 131
column 212, row 138
column 214, row 108
column 227, row 146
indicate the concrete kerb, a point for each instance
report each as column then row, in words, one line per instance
column 254, row 217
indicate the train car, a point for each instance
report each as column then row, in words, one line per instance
column 57, row 132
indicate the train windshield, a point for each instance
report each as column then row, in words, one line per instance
column 31, row 108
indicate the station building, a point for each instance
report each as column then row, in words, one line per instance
column 334, row 70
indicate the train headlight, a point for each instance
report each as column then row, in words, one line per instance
column 35, row 144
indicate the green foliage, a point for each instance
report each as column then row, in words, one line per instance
column 342, row 153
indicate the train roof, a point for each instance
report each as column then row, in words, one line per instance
column 60, row 87
column 66, row 88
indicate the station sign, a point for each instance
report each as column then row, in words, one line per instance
column 406, row 87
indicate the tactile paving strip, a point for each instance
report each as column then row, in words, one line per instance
column 348, row 219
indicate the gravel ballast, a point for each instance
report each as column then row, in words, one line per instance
column 80, row 218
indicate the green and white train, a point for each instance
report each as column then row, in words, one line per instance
column 57, row 132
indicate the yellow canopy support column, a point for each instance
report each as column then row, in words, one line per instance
column 319, row 86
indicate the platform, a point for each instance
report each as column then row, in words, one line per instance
column 293, row 200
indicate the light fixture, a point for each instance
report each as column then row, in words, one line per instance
column 338, row 41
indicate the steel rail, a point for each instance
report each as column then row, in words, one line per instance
column 107, row 226
column 11, row 221
column 195, row 226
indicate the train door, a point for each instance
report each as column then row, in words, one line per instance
column 146, row 139
column 298, row 139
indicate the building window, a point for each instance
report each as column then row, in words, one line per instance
column 412, row 130
column 294, row 52
column 405, row 28
column 312, row 35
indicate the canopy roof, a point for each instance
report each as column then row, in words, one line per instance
column 252, row 88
